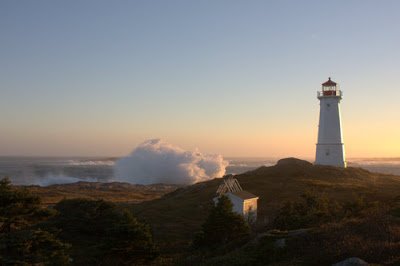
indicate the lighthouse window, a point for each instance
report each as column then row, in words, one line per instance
column 328, row 104
column 327, row 152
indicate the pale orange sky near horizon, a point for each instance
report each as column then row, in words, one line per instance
column 251, row 139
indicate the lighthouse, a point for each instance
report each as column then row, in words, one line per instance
column 330, row 146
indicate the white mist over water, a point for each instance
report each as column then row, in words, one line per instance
column 156, row 161
column 46, row 171
column 91, row 162
column 59, row 179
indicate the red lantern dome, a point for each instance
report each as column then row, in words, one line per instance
column 329, row 83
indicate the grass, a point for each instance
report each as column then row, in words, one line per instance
column 176, row 216
column 114, row 192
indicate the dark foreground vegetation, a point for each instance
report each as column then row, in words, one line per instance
column 307, row 215
column 22, row 241
column 320, row 235
column 77, row 231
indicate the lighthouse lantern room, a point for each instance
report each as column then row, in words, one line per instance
column 330, row 146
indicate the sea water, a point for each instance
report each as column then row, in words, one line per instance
column 59, row 170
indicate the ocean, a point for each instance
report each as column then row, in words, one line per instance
column 46, row 171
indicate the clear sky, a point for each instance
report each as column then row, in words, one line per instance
column 238, row 78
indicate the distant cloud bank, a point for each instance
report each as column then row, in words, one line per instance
column 156, row 161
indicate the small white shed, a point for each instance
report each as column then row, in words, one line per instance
column 244, row 203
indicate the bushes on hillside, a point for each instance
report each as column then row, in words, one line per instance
column 103, row 234
column 32, row 247
column 18, row 208
column 375, row 238
column 355, row 228
column 314, row 209
column 80, row 231
column 310, row 210
column 22, row 241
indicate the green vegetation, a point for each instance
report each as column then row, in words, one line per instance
column 261, row 253
column 102, row 233
column 31, row 247
column 367, row 231
column 374, row 237
column 222, row 227
column 311, row 210
column 175, row 216
column 78, row 232
column 314, row 209
column 22, row 241
column 307, row 215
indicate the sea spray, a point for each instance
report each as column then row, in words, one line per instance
column 156, row 161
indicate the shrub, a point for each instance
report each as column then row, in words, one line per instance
column 374, row 238
column 102, row 233
column 310, row 210
column 32, row 247
column 222, row 228
column 22, row 242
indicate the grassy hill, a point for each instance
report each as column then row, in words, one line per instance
column 176, row 213
column 176, row 216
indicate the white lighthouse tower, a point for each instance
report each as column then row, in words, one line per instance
column 330, row 146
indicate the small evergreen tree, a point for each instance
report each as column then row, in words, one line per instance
column 222, row 227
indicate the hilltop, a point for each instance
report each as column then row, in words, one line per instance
column 177, row 215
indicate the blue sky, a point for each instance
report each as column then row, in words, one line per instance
column 231, row 77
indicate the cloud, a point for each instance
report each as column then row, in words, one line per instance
column 156, row 161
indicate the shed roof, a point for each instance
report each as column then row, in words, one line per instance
column 244, row 195
column 230, row 184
